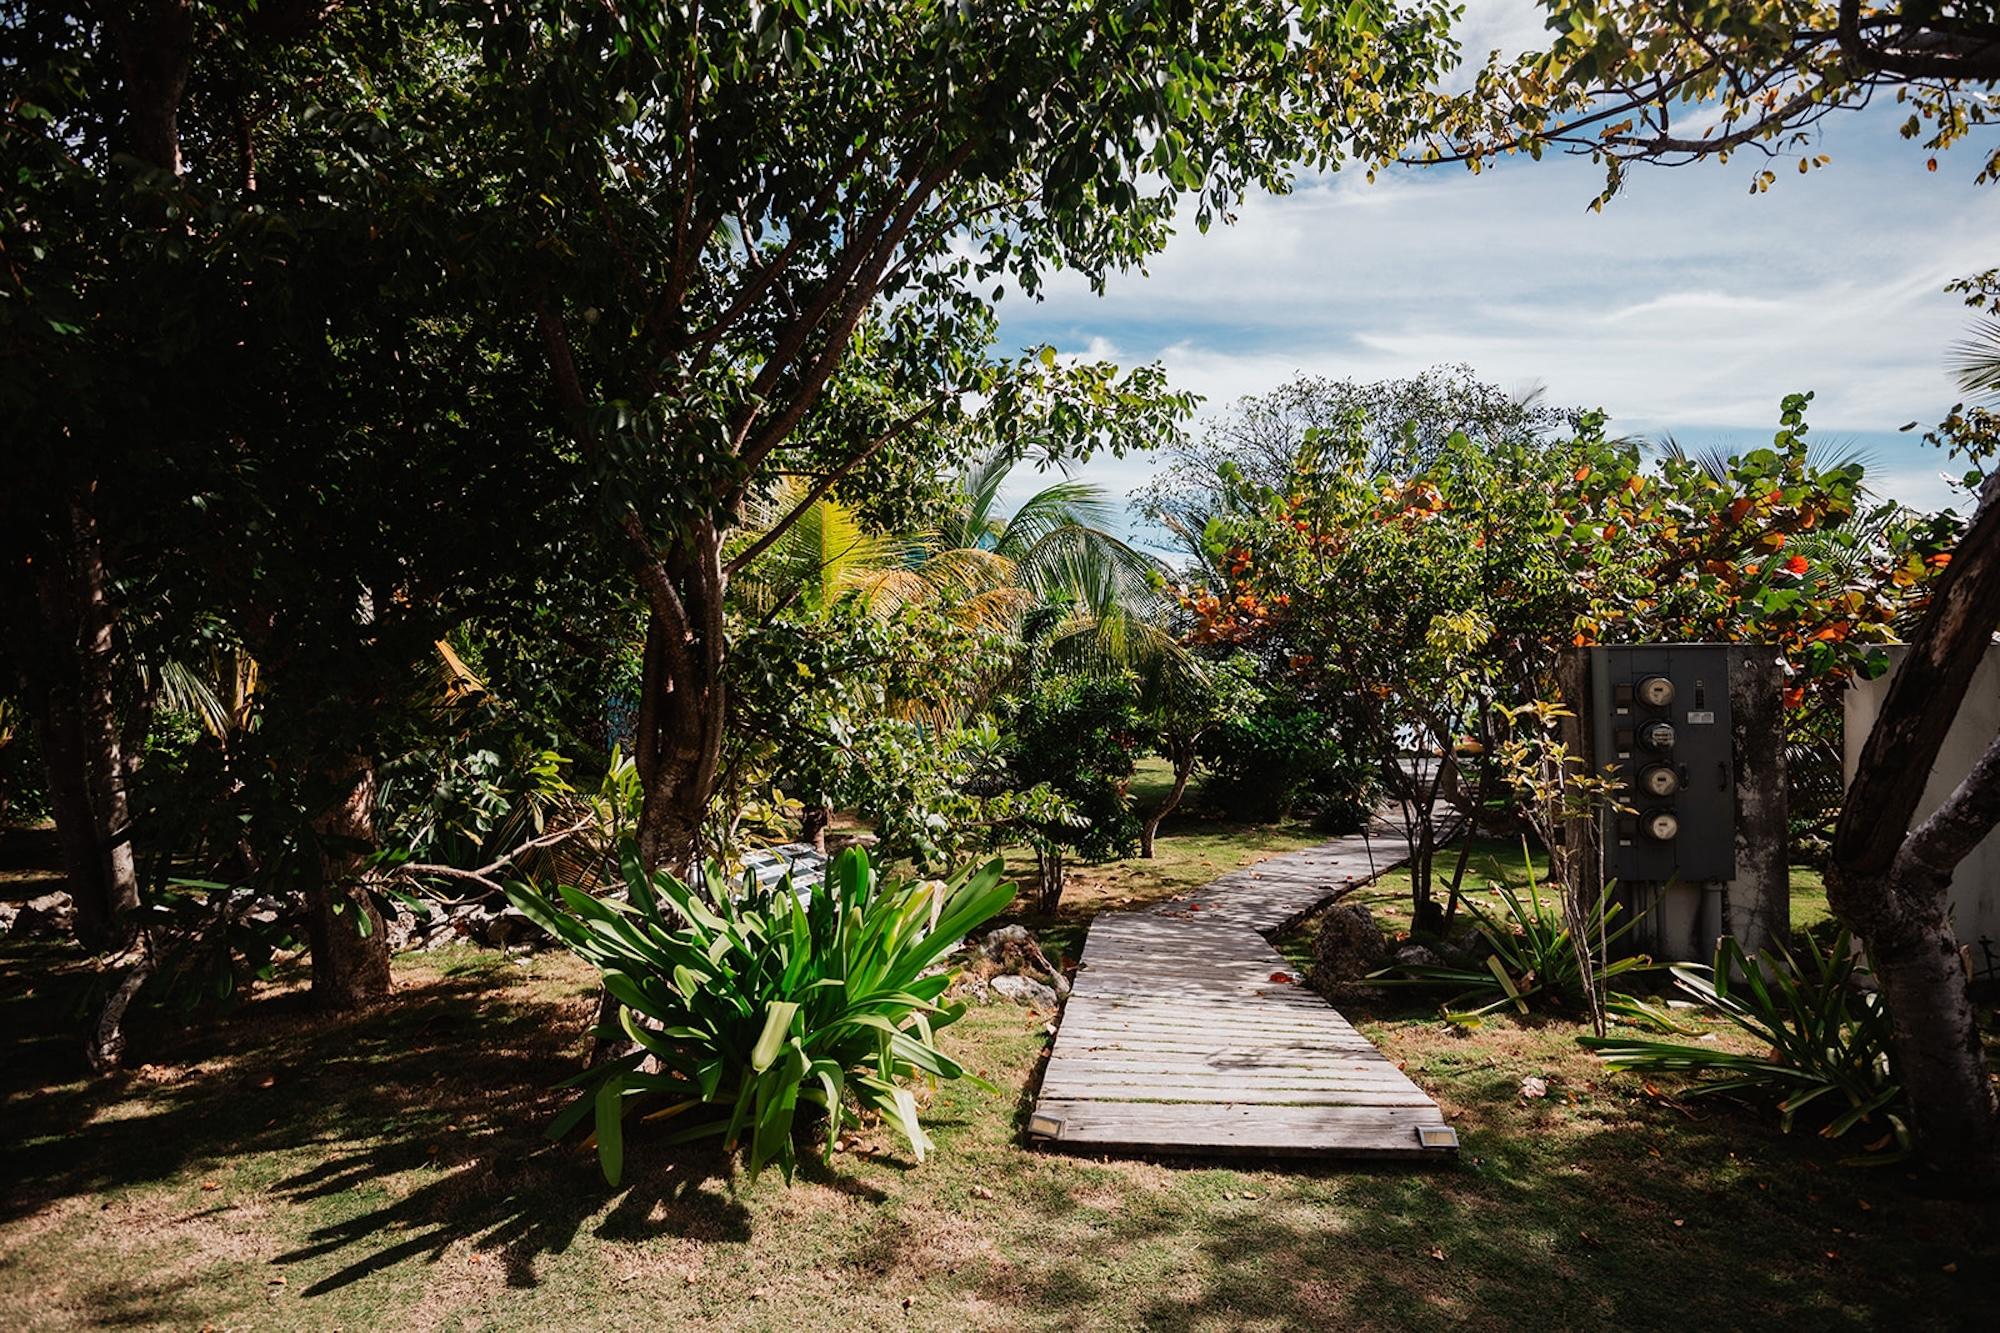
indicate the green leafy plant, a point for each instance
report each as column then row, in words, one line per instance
column 1529, row 956
column 745, row 1009
column 1827, row 1037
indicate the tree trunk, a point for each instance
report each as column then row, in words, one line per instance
column 73, row 684
column 682, row 711
column 1183, row 757
column 1941, row 1063
column 1050, row 868
column 1890, row 884
column 350, row 945
column 813, row 826
column 156, row 47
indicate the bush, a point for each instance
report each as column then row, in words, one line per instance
column 747, row 1009
column 1280, row 756
column 1827, row 1037
column 1529, row 956
column 1071, row 745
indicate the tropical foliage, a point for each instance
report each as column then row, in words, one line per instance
column 747, row 1006
column 1440, row 592
column 1826, row 1032
column 1530, row 955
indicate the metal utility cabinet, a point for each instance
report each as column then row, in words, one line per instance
column 1694, row 733
column 1662, row 724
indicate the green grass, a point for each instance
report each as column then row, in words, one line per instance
column 284, row 1171
column 1499, row 861
column 280, row 1169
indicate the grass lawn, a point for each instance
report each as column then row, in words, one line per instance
column 277, row 1169
column 1498, row 861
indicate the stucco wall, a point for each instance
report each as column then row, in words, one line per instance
column 1975, row 889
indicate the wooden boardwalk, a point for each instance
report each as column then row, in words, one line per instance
column 1176, row 1038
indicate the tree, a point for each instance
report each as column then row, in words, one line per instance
column 1440, row 594
column 261, row 408
column 1405, row 422
column 738, row 219
column 1764, row 76
column 1074, row 738
column 1755, row 79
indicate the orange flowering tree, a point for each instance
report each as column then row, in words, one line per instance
column 1438, row 595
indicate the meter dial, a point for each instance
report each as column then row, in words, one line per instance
column 1661, row 826
column 1655, row 691
column 1659, row 780
column 1657, row 736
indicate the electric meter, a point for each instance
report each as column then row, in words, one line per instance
column 1661, row 826
column 1659, row 781
column 1657, row 735
column 1656, row 691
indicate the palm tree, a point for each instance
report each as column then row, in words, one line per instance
column 1051, row 572
column 1822, row 455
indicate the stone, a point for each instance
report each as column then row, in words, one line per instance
column 1349, row 946
column 49, row 914
column 1013, row 949
column 1416, row 955
column 1023, row 990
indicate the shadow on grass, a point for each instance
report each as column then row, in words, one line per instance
column 449, row 1086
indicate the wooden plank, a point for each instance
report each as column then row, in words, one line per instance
column 1330, row 1131
column 1125, row 1071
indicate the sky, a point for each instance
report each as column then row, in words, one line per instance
column 1688, row 306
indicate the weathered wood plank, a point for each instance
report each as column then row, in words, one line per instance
column 1364, row 1131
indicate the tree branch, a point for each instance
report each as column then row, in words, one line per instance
column 822, row 486
column 1923, row 698
column 483, row 876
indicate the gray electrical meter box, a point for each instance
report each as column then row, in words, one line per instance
column 1662, row 727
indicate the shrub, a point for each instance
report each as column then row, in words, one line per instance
column 1279, row 756
column 1071, row 745
column 748, row 1009
column 1827, row 1037
column 1529, row 956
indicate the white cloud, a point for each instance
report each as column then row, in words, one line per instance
column 1687, row 305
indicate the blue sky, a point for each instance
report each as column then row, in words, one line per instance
column 1688, row 306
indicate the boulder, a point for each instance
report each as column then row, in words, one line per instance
column 1013, row 949
column 1416, row 955
column 1023, row 990
column 1348, row 947
column 49, row 914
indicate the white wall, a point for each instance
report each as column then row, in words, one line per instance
column 1975, row 889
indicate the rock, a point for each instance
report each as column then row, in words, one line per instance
column 1023, row 990
column 1532, row 1086
column 1013, row 949
column 1416, row 955
column 49, row 914
column 1007, row 941
column 1348, row 947
column 400, row 925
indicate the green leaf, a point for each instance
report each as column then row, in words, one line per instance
column 611, row 1128
column 777, row 1022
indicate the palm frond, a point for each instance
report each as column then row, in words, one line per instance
column 1975, row 360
